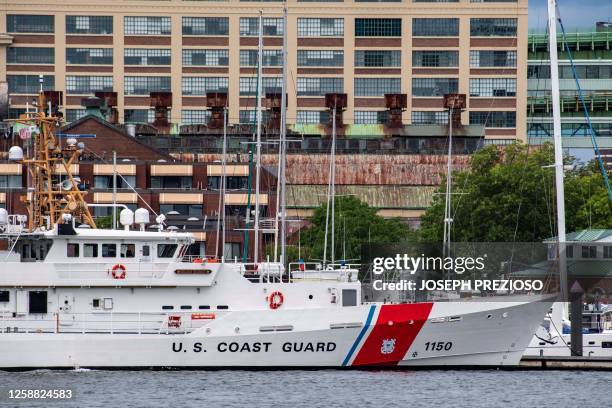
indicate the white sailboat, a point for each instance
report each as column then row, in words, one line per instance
column 553, row 338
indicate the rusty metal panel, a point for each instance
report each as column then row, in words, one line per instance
column 413, row 197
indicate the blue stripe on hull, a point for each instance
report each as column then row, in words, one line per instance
column 362, row 333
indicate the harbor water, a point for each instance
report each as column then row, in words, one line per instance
column 317, row 388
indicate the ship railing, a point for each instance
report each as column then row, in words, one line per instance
column 106, row 323
column 262, row 271
column 317, row 271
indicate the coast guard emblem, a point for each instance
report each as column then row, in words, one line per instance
column 387, row 347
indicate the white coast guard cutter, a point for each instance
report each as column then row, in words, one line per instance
column 72, row 296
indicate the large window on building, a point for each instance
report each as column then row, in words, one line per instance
column 377, row 86
column 147, row 56
column 89, row 24
column 248, row 85
column 435, row 59
column 10, row 181
column 249, row 26
column 371, row 117
column 312, row 117
column 89, row 56
column 319, row 86
column 320, row 58
column 205, row 26
column 435, row 27
column 320, row 27
column 495, row 119
column 378, row 27
column 74, row 114
column 171, row 182
column 492, row 59
column 146, row 25
column 491, row 87
column 106, row 182
column 30, row 55
column 434, row 86
column 231, row 182
column 270, row 58
column 199, row 86
column 87, row 84
column 29, row 84
column 429, row 117
column 248, row 116
column 27, row 23
column 493, row 27
column 194, row 116
column 205, row 58
column 191, row 210
column 590, row 71
column 144, row 85
column 377, row 58
column 138, row 115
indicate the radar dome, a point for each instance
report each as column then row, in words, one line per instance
column 141, row 216
column 3, row 216
column 15, row 153
column 126, row 217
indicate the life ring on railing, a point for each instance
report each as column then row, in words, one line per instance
column 198, row 260
column 276, row 300
column 118, row 271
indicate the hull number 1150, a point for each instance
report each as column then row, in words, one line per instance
column 438, row 345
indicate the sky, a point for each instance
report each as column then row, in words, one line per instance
column 574, row 13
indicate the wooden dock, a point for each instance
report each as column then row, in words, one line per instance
column 568, row 363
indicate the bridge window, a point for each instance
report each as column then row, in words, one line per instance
column 166, row 250
column 146, row 250
column 349, row 297
column 5, row 296
column 38, row 301
column 109, row 250
column 90, row 250
column 607, row 252
column 128, row 250
column 72, row 250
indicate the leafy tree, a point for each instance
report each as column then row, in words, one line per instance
column 356, row 223
column 105, row 222
column 508, row 195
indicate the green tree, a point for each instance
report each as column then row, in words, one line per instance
column 356, row 223
column 508, row 195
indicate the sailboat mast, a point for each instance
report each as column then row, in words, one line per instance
column 258, row 141
column 559, row 176
column 333, row 187
column 449, row 180
column 283, row 147
column 223, row 181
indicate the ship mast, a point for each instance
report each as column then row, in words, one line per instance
column 47, row 201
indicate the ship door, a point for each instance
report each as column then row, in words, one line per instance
column 66, row 309
column 146, row 268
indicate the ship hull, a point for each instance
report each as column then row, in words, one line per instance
column 415, row 335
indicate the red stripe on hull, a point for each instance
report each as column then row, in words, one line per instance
column 396, row 328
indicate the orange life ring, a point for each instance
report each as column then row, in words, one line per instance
column 118, row 271
column 198, row 260
column 276, row 300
